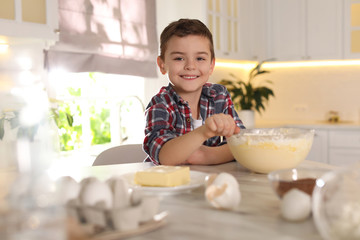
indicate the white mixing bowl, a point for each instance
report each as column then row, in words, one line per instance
column 264, row 150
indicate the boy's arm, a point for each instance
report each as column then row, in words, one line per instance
column 207, row 155
column 183, row 149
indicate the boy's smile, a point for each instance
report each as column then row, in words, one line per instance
column 188, row 63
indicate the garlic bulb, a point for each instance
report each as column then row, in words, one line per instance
column 223, row 191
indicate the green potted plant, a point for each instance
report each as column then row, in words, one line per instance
column 248, row 96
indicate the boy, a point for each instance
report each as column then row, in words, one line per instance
column 186, row 119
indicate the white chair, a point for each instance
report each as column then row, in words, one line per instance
column 128, row 153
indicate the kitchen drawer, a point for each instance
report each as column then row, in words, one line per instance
column 344, row 156
column 347, row 139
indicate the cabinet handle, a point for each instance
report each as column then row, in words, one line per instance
column 57, row 31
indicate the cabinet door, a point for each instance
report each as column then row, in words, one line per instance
column 352, row 29
column 344, row 139
column 306, row 29
column 253, row 29
column 324, row 38
column 223, row 18
column 287, row 29
column 344, row 156
column 319, row 149
column 344, row 147
column 36, row 19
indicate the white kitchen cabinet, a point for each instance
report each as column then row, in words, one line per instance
column 344, row 138
column 253, row 30
column 343, row 156
column 324, row 24
column 344, row 147
column 30, row 19
column 352, row 29
column 319, row 149
column 305, row 29
column 287, row 29
column 223, row 20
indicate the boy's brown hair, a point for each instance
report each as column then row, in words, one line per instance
column 182, row 28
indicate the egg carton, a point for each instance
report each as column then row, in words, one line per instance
column 121, row 219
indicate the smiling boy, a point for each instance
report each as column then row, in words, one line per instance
column 186, row 119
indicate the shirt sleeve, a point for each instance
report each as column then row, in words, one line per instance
column 158, row 130
column 230, row 109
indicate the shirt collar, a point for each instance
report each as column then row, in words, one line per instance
column 175, row 96
column 208, row 91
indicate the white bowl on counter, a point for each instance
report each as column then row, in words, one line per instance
column 264, row 150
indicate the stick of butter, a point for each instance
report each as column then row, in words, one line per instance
column 163, row 176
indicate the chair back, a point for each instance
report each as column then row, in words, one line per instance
column 128, row 153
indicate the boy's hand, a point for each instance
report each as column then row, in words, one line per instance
column 220, row 125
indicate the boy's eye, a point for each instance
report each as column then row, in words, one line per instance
column 200, row 59
column 178, row 58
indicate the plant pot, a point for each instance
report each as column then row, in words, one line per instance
column 247, row 117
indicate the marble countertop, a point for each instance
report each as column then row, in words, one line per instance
column 191, row 217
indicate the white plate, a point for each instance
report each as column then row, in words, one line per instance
column 197, row 179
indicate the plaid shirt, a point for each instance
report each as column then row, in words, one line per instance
column 169, row 116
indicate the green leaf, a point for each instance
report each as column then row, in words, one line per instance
column 244, row 94
column 70, row 119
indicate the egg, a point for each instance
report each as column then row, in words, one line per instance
column 121, row 192
column 87, row 180
column 223, row 191
column 295, row 205
column 96, row 192
column 68, row 189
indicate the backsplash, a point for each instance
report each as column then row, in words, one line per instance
column 308, row 93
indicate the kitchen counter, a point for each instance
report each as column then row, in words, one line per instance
column 310, row 124
column 191, row 217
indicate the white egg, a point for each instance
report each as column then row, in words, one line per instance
column 295, row 205
column 223, row 192
column 87, row 180
column 96, row 192
column 120, row 190
column 68, row 189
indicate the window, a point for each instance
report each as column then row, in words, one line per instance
column 94, row 111
column 115, row 37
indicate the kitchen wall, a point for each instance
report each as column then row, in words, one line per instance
column 302, row 94
column 308, row 93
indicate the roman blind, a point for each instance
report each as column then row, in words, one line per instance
column 110, row 36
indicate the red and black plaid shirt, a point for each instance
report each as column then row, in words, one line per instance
column 168, row 116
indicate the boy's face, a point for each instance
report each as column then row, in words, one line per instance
column 187, row 61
